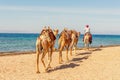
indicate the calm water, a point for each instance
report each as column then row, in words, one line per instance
column 26, row 42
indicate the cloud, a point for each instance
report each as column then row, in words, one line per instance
column 62, row 10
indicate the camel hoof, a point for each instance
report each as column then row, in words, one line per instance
column 67, row 59
column 49, row 67
column 60, row 62
column 38, row 72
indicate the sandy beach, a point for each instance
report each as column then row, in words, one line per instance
column 95, row 64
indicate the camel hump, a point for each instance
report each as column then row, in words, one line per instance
column 52, row 36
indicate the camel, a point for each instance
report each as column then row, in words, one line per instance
column 74, row 37
column 87, row 40
column 44, row 44
column 64, row 41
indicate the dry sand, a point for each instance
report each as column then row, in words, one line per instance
column 96, row 64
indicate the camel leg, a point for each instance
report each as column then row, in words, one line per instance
column 37, row 52
column 37, row 63
column 71, row 51
column 67, row 55
column 88, row 46
column 60, row 57
column 50, row 59
column 71, row 46
column 85, row 45
column 74, row 50
column 60, row 52
column 42, row 59
column 48, row 55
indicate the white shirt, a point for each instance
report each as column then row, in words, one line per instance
column 87, row 29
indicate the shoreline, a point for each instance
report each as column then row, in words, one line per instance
column 16, row 53
column 11, row 53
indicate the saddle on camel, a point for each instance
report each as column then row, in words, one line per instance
column 48, row 33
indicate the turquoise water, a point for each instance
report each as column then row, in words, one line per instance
column 26, row 41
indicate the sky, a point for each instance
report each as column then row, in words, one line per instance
column 30, row 16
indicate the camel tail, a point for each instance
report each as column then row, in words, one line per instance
column 38, row 45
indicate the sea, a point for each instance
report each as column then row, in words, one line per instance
column 14, row 42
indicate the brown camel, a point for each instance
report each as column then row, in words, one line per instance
column 64, row 42
column 44, row 44
column 74, row 37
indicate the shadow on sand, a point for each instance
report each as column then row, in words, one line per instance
column 97, row 49
column 80, row 59
column 75, row 61
column 84, row 53
column 64, row 66
column 89, row 51
column 72, row 64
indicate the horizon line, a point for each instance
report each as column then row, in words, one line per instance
column 58, row 33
